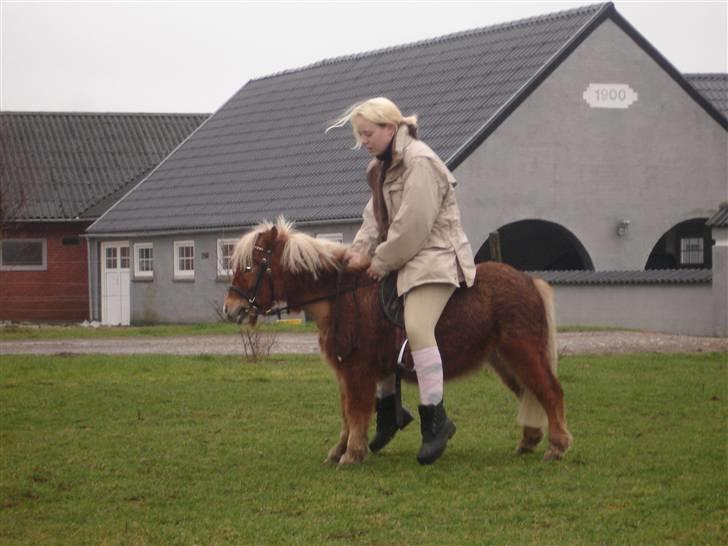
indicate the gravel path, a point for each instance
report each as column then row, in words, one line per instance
column 569, row 344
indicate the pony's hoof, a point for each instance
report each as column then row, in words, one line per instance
column 349, row 458
column 334, row 456
column 552, row 455
column 524, row 450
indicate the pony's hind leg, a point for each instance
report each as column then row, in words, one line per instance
column 530, row 416
column 542, row 394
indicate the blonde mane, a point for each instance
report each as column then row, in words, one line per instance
column 301, row 253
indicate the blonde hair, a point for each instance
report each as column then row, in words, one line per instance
column 301, row 253
column 379, row 110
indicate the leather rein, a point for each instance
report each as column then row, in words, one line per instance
column 264, row 267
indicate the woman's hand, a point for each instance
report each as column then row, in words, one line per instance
column 374, row 274
column 355, row 261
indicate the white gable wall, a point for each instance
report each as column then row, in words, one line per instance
column 657, row 163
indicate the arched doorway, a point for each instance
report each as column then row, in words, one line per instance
column 686, row 245
column 538, row 245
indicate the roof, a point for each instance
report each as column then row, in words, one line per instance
column 650, row 276
column 713, row 87
column 60, row 165
column 720, row 218
column 265, row 152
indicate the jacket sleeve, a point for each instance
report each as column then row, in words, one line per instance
column 422, row 195
column 367, row 237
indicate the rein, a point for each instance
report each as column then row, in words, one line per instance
column 264, row 267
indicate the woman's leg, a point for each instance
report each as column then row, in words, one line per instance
column 423, row 306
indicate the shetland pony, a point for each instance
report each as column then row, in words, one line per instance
column 505, row 321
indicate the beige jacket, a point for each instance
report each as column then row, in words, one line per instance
column 420, row 236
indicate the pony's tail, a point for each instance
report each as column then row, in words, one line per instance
column 530, row 411
column 552, row 348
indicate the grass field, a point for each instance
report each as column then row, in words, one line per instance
column 206, row 450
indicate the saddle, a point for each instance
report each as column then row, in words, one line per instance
column 392, row 304
column 393, row 307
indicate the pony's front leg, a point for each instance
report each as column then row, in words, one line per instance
column 359, row 386
column 339, row 448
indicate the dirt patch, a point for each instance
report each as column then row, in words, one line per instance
column 570, row 343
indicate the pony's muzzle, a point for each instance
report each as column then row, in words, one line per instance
column 235, row 312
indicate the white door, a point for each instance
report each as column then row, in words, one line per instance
column 115, row 261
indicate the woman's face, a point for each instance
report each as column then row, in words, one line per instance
column 374, row 137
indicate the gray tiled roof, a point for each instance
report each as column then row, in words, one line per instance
column 651, row 276
column 265, row 152
column 713, row 87
column 68, row 165
column 720, row 218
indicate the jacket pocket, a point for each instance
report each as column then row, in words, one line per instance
column 395, row 191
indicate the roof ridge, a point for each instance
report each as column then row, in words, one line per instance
column 61, row 113
column 443, row 38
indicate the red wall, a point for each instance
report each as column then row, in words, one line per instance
column 60, row 293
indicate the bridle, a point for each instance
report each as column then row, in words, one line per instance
column 252, row 299
column 264, row 267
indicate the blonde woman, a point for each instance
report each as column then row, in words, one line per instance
column 411, row 225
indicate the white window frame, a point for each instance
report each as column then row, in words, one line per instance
column 222, row 271
column 692, row 247
column 138, row 273
column 184, row 274
column 334, row 237
column 42, row 267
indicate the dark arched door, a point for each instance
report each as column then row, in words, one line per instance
column 538, row 245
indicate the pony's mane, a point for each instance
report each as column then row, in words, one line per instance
column 301, row 253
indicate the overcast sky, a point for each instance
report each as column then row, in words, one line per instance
column 192, row 56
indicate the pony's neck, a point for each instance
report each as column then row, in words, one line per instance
column 306, row 288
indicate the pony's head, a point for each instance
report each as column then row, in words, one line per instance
column 265, row 258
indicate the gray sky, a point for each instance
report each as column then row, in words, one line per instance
column 192, row 56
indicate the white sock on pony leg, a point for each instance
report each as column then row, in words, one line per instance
column 386, row 387
column 428, row 365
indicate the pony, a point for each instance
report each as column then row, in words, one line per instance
column 504, row 322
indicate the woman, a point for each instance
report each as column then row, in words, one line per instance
column 411, row 225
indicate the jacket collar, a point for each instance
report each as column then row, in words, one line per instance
column 402, row 139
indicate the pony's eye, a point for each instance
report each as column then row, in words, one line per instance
column 248, row 268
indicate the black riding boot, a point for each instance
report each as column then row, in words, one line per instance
column 387, row 422
column 436, row 429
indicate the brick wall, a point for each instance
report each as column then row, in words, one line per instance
column 60, row 293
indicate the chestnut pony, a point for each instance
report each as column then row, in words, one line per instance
column 505, row 321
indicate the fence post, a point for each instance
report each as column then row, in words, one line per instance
column 495, row 247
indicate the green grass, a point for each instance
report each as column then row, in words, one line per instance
column 21, row 332
column 206, row 450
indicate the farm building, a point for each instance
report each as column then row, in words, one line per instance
column 570, row 135
column 60, row 171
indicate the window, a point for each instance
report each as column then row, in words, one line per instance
column 184, row 259
column 225, row 249
column 124, row 257
column 111, row 257
column 335, row 237
column 143, row 260
column 691, row 251
column 23, row 254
